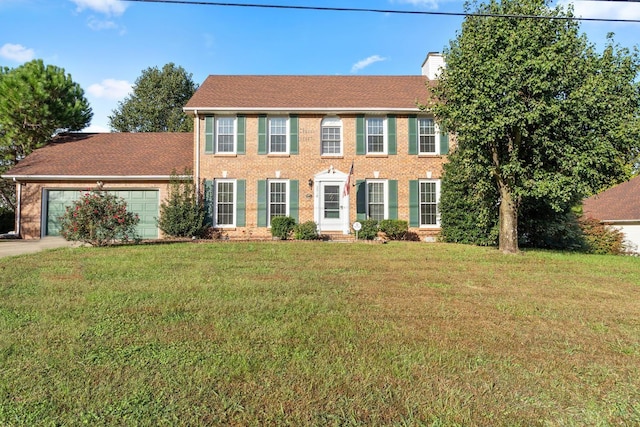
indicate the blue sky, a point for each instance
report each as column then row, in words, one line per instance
column 106, row 44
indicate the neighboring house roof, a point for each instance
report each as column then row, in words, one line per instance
column 108, row 155
column 618, row 203
column 304, row 93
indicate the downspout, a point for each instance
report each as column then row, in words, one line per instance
column 197, row 148
column 18, row 205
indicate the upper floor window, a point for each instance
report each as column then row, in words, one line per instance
column 225, row 135
column 427, row 136
column 375, row 135
column 429, row 195
column 278, row 135
column 331, row 136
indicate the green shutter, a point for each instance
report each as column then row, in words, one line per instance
column 293, row 134
column 209, row 201
column 241, row 204
column 208, row 134
column 391, row 135
column 361, row 199
column 414, row 203
column 293, row 199
column 413, row 135
column 360, row 145
column 262, row 203
column 393, row 198
column 241, row 134
column 444, row 141
column 262, row 135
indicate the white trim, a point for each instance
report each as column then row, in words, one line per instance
column 217, row 181
column 385, row 136
column 216, row 134
column 327, row 122
column 385, row 196
column 197, row 150
column 29, row 178
column 287, row 135
column 437, row 224
column 287, row 202
column 294, row 110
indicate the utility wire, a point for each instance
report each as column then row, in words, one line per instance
column 389, row 11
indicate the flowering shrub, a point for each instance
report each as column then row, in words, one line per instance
column 99, row 218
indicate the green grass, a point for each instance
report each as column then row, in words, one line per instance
column 296, row 333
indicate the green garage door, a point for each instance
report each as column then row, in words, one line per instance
column 143, row 202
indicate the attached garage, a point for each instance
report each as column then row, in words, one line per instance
column 143, row 202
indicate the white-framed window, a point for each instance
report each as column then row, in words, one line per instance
column 428, row 136
column 278, row 137
column 278, row 202
column 331, row 136
column 377, row 200
column 225, row 203
column 225, row 135
column 429, row 199
column 376, row 136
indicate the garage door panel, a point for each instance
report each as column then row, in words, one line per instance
column 143, row 202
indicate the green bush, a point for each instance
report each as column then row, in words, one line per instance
column 395, row 229
column 600, row 238
column 182, row 214
column 99, row 218
column 369, row 230
column 282, row 227
column 7, row 220
column 306, row 231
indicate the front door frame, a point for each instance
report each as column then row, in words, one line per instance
column 331, row 176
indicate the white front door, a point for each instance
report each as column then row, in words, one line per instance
column 331, row 205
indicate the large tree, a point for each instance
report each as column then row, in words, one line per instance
column 156, row 103
column 36, row 101
column 533, row 103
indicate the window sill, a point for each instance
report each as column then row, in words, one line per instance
column 225, row 155
column 430, row 155
column 224, row 227
column 332, row 156
column 377, row 155
column 278, row 155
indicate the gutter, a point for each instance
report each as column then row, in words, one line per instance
column 30, row 178
column 197, row 150
column 294, row 110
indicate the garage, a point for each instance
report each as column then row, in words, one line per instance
column 143, row 202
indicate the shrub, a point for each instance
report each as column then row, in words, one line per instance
column 395, row 229
column 99, row 218
column 182, row 214
column 369, row 229
column 282, row 227
column 600, row 238
column 306, row 231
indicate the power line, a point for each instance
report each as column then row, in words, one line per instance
column 388, row 11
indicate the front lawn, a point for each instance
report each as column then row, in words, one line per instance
column 297, row 333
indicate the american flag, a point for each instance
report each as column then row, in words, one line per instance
column 347, row 185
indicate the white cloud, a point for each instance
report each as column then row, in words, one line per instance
column 110, row 89
column 108, row 7
column 604, row 9
column 366, row 62
column 16, row 52
column 99, row 24
column 430, row 4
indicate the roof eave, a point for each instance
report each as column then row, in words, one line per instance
column 29, row 178
column 298, row 110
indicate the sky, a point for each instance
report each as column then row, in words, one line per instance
column 105, row 45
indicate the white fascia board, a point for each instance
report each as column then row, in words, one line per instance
column 29, row 178
column 258, row 110
column 620, row 221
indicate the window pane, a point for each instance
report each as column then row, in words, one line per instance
column 278, row 135
column 224, row 203
column 331, row 140
column 428, row 207
column 277, row 199
column 225, row 135
column 332, row 201
column 427, row 132
column 375, row 136
column 376, row 200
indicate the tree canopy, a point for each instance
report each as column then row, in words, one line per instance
column 36, row 101
column 156, row 103
column 541, row 115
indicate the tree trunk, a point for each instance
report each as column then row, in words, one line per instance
column 508, row 240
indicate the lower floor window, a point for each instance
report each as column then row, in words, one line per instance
column 225, row 202
column 278, row 200
column 376, row 200
column 428, row 203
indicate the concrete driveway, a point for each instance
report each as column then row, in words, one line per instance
column 10, row 247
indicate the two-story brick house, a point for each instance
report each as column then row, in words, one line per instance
column 274, row 145
column 285, row 145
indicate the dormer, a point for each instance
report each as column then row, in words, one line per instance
column 433, row 65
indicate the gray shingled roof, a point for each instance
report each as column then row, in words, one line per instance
column 109, row 154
